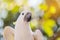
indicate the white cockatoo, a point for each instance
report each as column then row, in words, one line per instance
column 22, row 30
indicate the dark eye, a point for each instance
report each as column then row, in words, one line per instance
column 22, row 13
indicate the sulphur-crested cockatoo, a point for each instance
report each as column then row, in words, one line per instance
column 22, row 30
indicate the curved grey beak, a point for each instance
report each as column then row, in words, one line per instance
column 28, row 17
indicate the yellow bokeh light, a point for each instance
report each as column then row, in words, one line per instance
column 58, row 38
column 49, row 23
column 33, row 23
column 47, row 27
column 52, row 9
column 10, row 6
column 48, row 31
column 43, row 7
column 46, row 15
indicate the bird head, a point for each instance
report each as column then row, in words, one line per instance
column 25, row 16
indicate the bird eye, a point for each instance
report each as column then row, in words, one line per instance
column 22, row 13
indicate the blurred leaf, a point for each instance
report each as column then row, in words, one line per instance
column 8, row 1
column 15, row 9
column 11, row 18
column 58, row 38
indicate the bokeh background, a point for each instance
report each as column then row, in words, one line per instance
column 45, row 14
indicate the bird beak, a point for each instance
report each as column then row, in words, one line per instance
column 28, row 17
